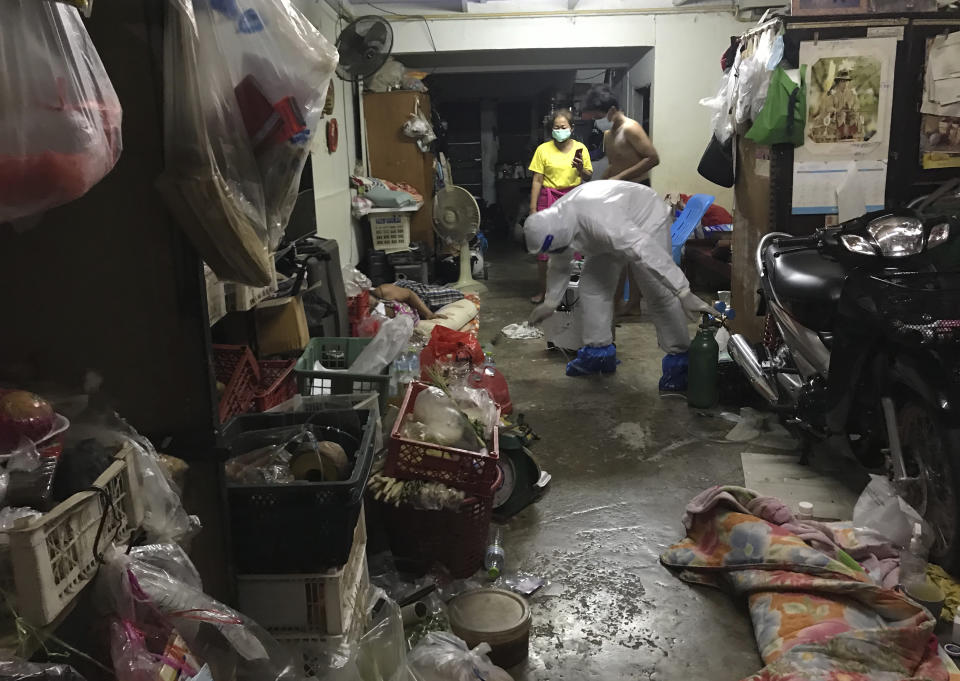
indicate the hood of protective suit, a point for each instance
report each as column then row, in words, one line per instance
column 554, row 221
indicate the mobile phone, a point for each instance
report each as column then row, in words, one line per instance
column 578, row 154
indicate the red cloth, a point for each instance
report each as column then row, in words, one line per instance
column 548, row 197
column 715, row 215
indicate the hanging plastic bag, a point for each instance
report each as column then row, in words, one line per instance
column 442, row 656
column 722, row 105
column 419, row 128
column 59, row 114
column 784, row 113
column 244, row 94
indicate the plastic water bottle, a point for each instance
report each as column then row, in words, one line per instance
column 494, row 559
column 913, row 562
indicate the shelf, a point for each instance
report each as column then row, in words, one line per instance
column 403, row 209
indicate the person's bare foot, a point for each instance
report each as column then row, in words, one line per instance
column 537, row 299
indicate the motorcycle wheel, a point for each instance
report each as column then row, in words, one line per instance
column 930, row 453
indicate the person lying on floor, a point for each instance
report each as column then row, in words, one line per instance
column 401, row 300
column 615, row 223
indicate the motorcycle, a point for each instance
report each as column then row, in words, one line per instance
column 862, row 348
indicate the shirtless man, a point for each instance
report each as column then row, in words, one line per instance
column 630, row 153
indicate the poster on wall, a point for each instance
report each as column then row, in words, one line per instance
column 939, row 142
column 847, row 132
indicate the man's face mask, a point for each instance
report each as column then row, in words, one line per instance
column 603, row 124
column 561, row 134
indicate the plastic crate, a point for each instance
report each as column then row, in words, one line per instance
column 390, row 231
column 411, row 460
column 456, row 539
column 278, row 383
column 318, row 655
column 300, row 527
column 56, row 555
column 336, row 355
column 237, row 369
column 321, row 604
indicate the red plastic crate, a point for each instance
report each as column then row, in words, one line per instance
column 456, row 539
column 409, row 460
column 278, row 383
column 235, row 367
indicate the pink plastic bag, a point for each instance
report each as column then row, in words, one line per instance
column 59, row 114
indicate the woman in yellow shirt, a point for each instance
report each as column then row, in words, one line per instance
column 558, row 166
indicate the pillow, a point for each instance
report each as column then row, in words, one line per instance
column 388, row 198
column 457, row 314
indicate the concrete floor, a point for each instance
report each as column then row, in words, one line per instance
column 624, row 461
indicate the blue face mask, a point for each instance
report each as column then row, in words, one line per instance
column 562, row 135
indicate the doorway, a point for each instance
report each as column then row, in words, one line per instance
column 641, row 105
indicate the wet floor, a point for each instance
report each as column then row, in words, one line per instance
column 624, row 462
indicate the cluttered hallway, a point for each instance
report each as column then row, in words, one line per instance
column 625, row 461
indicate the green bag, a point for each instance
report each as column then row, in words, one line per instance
column 784, row 114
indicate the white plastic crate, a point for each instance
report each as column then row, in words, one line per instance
column 391, row 232
column 316, row 604
column 318, row 655
column 57, row 554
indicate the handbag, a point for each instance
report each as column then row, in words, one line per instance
column 716, row 164
column 784, row 114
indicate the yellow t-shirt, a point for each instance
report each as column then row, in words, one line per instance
column 557, row 166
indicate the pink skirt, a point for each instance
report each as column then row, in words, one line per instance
column 548, row 197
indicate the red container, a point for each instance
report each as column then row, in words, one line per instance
column 456, row 539
column 278, row 383
column 472, row 472
column 358, row 308
column 492, row 380
column 235, row 367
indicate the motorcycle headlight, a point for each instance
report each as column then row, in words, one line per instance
column 857, row 244
column 897, row 237
column 938, row 235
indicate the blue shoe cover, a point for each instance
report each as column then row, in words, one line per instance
column 674, row 378
column 591, row 361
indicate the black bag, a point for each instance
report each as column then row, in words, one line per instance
column 716, row 164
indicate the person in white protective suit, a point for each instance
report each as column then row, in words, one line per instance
column 613, row 223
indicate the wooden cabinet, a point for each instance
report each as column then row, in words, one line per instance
column 396, row 157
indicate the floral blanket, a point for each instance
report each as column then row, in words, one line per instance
column 814, row 618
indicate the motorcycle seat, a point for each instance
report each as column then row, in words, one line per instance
column 807, row 284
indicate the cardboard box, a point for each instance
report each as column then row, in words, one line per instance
column 216, row 297
column 281, row 326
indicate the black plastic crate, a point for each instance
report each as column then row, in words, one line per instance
column 299, row 527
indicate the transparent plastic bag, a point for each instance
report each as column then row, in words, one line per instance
column 442, row 656
column 233, row 646
column 881, row 510
column 18, row 670
column 722, row 122
column 245, row 91
column 172, row 559
column 392, row 339
column 60, row 117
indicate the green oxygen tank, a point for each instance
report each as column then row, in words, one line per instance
column 704, row 355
